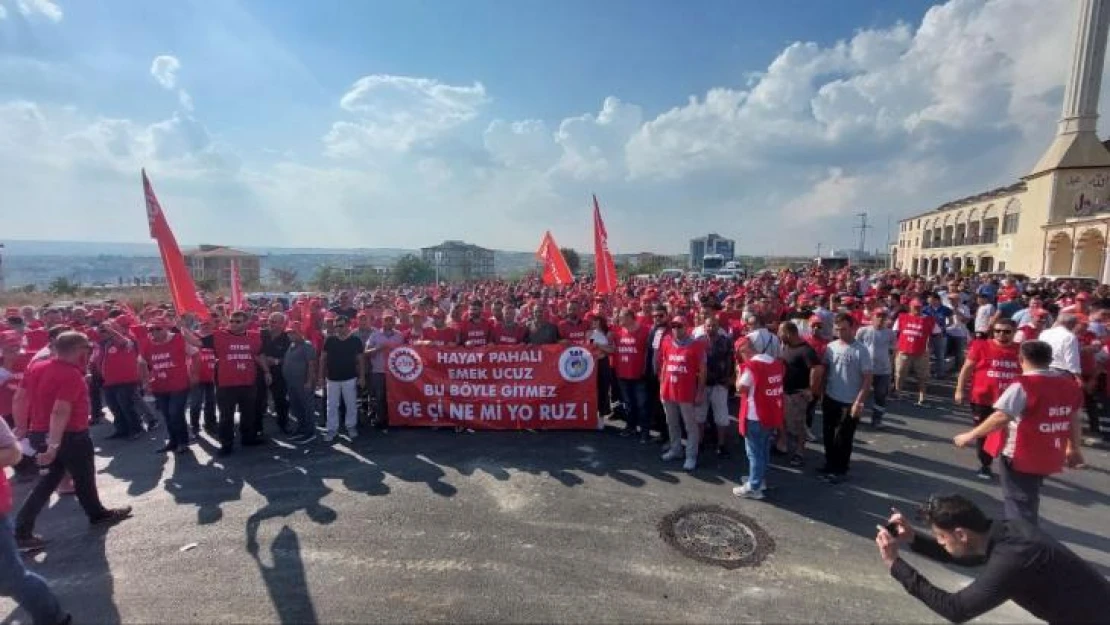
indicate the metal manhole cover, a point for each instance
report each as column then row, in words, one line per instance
column 716, row 535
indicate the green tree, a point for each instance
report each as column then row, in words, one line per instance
column 63, row 286
column 411, row 269
column 572, row 258
column 327, row 278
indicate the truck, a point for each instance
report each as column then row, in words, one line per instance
column 712, row 263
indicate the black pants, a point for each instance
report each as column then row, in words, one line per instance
column 655, row 415
column 230, row 400
column 839, row 433
column 1095, row 406
column 202, row 399
column 979, row 412
column 1021, row 493
column 275, row 390
column 605, row 384
column 75, row 456
column 96, row 396
column 125, row 411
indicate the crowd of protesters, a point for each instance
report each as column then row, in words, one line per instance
column 769, row 352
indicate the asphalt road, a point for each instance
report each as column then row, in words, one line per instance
column 420, row 525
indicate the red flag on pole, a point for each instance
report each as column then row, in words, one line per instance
column 555, row 268
column 238, row 302
column 605, row 270
column 178, row 278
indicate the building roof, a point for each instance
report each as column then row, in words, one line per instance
column 218, row 251
column 455, row 245
column 998, row 192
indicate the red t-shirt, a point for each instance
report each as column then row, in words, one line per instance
column 8, row 388
column 35, row 339
column 168, row 364
column 679, row 368
column 630, row 362
column 504, row 335
column 58, row 380
column 440, row 337
column 996, row 367
column 474, row 333
column 119, row 364
column 913, row 333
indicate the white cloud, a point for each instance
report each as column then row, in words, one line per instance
column 164, row 70
column 46, row 8
column 398, row 112
column 890, row 120
column 3, row 12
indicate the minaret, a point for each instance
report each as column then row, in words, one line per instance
column 1076, row 143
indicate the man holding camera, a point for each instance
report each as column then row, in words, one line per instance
column 1020, row 562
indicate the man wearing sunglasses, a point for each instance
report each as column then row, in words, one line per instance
column 991, row 365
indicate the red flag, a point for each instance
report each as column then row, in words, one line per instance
column 605, row 270
column 238, row 302
column 555, row 268
column 178, row 279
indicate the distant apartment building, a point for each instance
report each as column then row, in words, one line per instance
column 458, row 261
column 211, row 264
column 711, row 243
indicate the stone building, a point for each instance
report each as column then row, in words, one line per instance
column 212, row 264
column 458, row 261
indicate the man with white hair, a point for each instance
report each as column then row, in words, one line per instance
column 762, row 340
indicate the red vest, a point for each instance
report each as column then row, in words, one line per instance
column 503, row 335
column 168, row 365
column 766, row 393
column 996, row 367
column 678, row 371
column 119, row 364
column 235, row 355
column 440, row 337
column 1041, row 435
column 574, row 332
column 631, row 352
column 204, row 364
column 913, row 333
column 474, row 333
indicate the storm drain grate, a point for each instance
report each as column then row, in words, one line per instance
column 716, row 535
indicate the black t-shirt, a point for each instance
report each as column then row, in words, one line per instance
column 274, row 346
column 799, row 359
column 342, row 357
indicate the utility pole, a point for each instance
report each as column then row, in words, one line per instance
column 818, row 250
column 863, row 227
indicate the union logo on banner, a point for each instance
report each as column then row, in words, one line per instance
column 576, row 364
column 405, row 364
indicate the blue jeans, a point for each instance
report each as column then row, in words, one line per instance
column 880, row 388
column 172, row 407
column 957, row 346
column 202, row 398
column 634, row 396
column 757, row 444
column 121, row 401
column 301, row 404
column 28, row 589
column 938, row 347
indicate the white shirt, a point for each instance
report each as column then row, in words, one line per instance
column 747, row 380
column 983, row 316
column 955, row 326
column 1065, row 348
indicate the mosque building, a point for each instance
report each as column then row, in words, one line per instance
column 1056, row 220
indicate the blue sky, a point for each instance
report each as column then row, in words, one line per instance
column 350, row 123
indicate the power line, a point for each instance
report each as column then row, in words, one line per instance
column 863, row 227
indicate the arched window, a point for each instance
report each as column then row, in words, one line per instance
column 1010, row 216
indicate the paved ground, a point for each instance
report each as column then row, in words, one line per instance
column 433, row 526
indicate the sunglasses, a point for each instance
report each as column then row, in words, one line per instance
column 1003, row 331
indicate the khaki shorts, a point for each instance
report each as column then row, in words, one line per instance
column 794, row 413
column 916, row 366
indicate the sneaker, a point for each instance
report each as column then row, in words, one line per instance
column 745, row 491
column 33, row 542
column 671, row 454
column 112, row 516
column 690, row 464
column 810, row 438
column 985, row 474
column 797, row 461
column 304, row 439
column 876, row 422
column 329, row 437
column 352, row 433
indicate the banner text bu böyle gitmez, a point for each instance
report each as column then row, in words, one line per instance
column 493, row 388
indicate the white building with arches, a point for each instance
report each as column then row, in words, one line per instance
column 1056, row 219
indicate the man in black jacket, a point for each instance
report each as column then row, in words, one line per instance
column 1020, row 562
column 275, row 342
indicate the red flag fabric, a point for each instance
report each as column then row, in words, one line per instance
column 238, row 301
column 605, row 270
column 555, row 268
column 178, row 278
